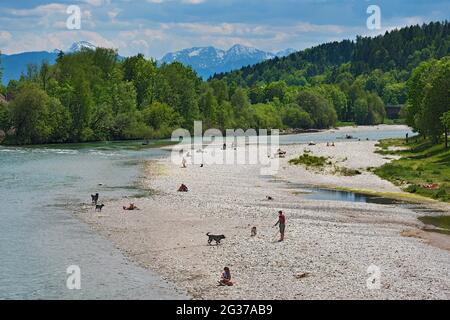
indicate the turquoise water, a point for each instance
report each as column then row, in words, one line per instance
column 41, row 188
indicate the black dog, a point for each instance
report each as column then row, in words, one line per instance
column 99, row 207
column 94, row 198
column 216, row 238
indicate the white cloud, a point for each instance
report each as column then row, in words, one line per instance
column 40, row 11
column 97, row 3
column 56, row 40
column 5, row 36
column 182, row 1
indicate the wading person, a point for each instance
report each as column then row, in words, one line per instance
column 282, row 224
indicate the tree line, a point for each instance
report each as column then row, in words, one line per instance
column 94, row 95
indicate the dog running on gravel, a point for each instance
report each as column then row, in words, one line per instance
column 216, row 238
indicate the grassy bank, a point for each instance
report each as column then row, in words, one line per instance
column 308, row 160
column 423, row 168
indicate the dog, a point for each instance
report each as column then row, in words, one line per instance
column 99, row 207
column 94, row 198
column 216, row 238
column 253, row 232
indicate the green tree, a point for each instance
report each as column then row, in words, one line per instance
column 437, row 100
column 395, row 93
column 182, row 86
column 295, row 117
column 337, row 98
column 320, row 109
column 266, row 116
column 142, row 73
column 123, row 97
column 208, row 107
column 274, row 90
column 44, row 75
column 361, row 111
column 240, row 101
column 162, row 118
column 445, row 119
column 102, row 121
column 30, row 115
column 225, row 116
column 428, row 97
column 376, row 110
column 59, row 120
column 5, row 117
column 221, row 90
column 80, row 106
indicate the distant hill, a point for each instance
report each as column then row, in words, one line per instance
column 15, row 65
column 400, row 50
column 207, row 61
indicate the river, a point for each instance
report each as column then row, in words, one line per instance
column 40, row 237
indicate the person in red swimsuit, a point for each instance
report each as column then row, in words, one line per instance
column 282, row 224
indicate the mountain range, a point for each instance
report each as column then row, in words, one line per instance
column 206, row 61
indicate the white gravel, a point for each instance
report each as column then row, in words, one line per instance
column 332, row 242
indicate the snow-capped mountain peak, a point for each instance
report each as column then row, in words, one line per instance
column 209, row 60
column 286, row 52
column 80, row 45
column 241, row 49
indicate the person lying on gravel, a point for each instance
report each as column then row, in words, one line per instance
column 131, row 207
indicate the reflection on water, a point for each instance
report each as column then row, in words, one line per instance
column 316, row 193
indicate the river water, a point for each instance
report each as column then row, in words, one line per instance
column 41, row 188
column 40, row 238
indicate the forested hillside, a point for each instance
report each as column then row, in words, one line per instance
column 359, row 78
column 397, row 50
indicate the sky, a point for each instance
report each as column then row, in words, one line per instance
column 156, row 27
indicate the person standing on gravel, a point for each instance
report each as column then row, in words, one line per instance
column 281, row 223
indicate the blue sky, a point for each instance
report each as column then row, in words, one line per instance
column 155, row 27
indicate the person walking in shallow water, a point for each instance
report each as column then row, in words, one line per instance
column 282, row 224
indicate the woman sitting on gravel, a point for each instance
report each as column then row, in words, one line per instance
column 225, row 280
